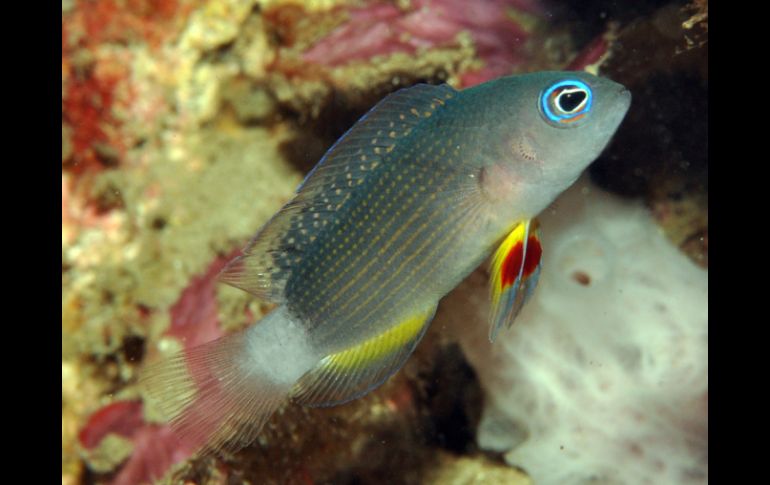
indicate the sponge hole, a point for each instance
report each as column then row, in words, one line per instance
column 581, row 277
column 584, row 261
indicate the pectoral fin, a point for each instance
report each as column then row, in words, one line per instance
column 353, row 372
column 514, row 272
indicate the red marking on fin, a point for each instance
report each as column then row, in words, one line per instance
column 532, row 259
column 512, row 265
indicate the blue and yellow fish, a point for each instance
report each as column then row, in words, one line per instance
column 420, row 191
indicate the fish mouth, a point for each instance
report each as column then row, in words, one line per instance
column 617, row 111
column 625, row 96
column 621, row 103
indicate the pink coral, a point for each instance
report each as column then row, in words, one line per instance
column 120, row 417
column 382, row 29
column 194, row 321
column 194, row 318
column 156, row 449
column 155, row 446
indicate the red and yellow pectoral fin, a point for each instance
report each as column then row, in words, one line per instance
column 514, row 272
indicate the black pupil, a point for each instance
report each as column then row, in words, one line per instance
column 569, row 101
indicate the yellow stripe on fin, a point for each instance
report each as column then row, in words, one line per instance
column 353, row 372
column 514, row 272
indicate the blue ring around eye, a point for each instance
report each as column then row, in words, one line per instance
column 570, row 82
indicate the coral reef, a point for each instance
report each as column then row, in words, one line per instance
column 186, row 125
column 118, row 432
column 381, row 29
column 473, row 470
column 133, row 279
column 605, row 374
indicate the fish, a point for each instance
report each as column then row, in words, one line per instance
column 424, row 188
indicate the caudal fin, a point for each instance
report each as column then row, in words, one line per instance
column 219, row 395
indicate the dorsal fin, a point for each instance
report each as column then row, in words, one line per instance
column 375, row 134
column 351, row 373
column 268, row 259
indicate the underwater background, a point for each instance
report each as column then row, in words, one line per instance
column 187, row 124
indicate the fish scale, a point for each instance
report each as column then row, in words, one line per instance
column 409, row 201
column 389, row 226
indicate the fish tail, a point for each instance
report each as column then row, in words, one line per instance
column 219, row 395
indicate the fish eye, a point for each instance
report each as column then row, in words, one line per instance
column 566, row 102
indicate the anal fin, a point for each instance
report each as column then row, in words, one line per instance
column 514, row 272
column 353, row 372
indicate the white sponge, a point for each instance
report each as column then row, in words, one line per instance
column 603, row 378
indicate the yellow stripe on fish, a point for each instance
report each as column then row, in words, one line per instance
column 350, row 373
column 378, row 347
